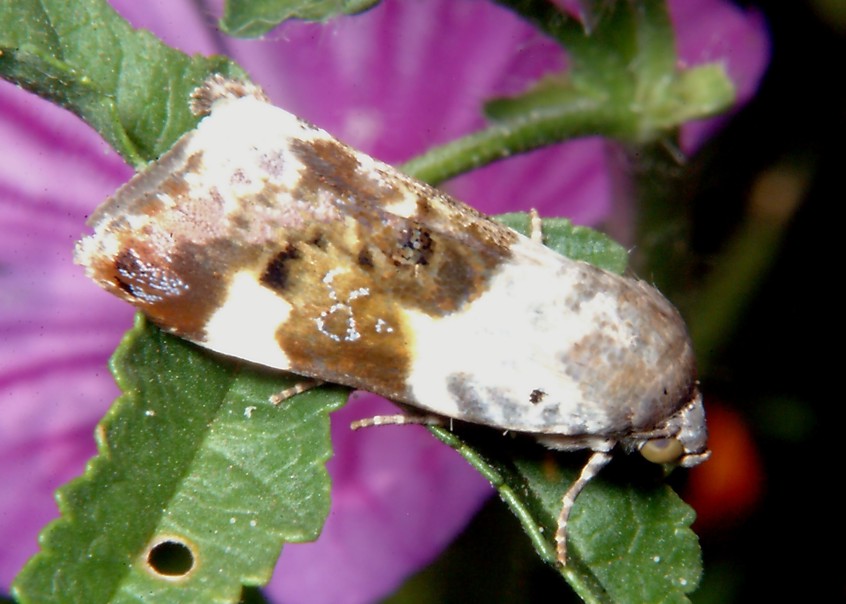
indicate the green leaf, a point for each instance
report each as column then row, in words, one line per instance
column 195, row 456
column 253, row 18
column 629, row 535
column 125, row 83
column 623, row 82
column 576, row 242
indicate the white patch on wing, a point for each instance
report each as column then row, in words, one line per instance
column 406, row 206
column 244, row 146
column 511, row 340
column 245, row 325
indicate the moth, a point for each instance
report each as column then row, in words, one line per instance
column 260, row 236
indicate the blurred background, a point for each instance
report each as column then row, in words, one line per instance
column 768, row 510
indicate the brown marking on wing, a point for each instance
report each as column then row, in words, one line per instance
column 616, row 363
column 440, row 264
column 348, row 266
column 278, row 271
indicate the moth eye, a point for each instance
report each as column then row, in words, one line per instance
column 662, row 450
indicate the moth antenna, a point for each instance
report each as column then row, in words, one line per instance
column 298, row 388
column 397, row 420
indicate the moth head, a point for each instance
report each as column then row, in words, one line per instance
column 686, row 444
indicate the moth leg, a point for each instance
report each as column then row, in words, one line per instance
column 594, row 464
column 535, row 226
column 298, row 388
column 398, row 420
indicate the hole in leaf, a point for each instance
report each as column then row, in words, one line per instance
column 170, row 558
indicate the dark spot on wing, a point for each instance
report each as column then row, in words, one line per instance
column 276, row 273
column 437, row 265
column 318, row 240
column 415, row 247
column 365, row 258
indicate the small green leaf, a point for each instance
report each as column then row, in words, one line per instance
column 624, row 80
column 253, row 18
column 629, row 535
column 125, row 83
column 576, row 242
column 192, row 457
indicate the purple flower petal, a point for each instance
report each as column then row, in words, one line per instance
column 393, row 81
column 715, row 31
column 56, row 333
column 398, row 498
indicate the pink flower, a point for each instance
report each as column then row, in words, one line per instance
column 708, row 31
column 393, row 82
